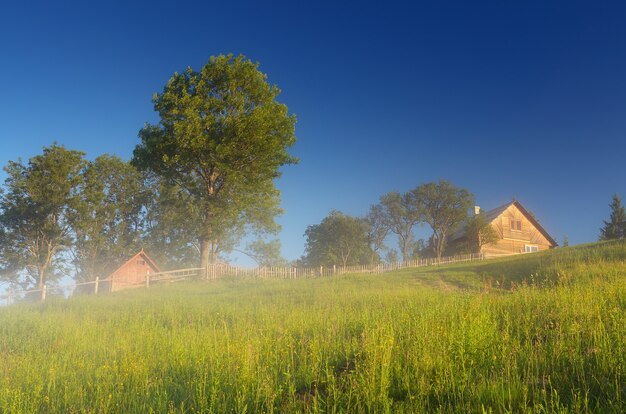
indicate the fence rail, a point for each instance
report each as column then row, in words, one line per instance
column 219, row 271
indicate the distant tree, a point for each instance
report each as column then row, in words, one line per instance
column 444, row 207
column 34, row 227
column 106, row 217
column 266, row 253
column 479, row 232
column 338, row 240
column 615, row 228
column 378, row 228
column 565, row 241
column 419, row 249
column 221, row 139
column 391, row 256
column 399, row 213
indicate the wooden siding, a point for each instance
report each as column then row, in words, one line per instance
column 133, row 273
column 514, row 241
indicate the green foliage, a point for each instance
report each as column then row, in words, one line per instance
column 615, row 228
column 266, row 253
column 171, row 235
column 391, row 256
column 338, row 240
column 399, row 214
column 106, row 216
column 444, row 207
column 221, row 139
column 479, row 232
column 443, row 339
column 35, row 230
column 378, row 228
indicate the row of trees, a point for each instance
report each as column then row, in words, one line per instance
column 198, row 181
column 59, row 210
column 346, row 240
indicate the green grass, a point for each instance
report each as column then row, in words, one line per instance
column 539, row 333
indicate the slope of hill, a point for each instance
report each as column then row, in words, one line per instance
column 541, row 333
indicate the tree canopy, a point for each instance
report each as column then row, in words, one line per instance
column 615, row 228
column 399, row 214
column 107, row 216
column 479, row 232
column 338, row 240
column 444, row 207
column 222, row 138
column 34, row 225
column 265, row 253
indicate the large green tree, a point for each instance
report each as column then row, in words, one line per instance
column 444, row 207
column 35, row 230
column 107, row 216
column 338, row 240
column 615, row 228
column 221, row 139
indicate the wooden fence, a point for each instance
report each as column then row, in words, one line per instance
column 219, row 271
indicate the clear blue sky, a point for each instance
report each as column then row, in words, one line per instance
column 508, row 99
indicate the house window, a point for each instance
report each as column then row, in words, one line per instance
column 516, row 225
column 530, row 248
column 141, row 262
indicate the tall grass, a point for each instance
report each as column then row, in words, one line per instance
column 539, row 333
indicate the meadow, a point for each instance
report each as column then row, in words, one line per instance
column 544, row 332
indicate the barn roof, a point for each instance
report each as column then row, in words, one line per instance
column 144, row 256
column 491, row 215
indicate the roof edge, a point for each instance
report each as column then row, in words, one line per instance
column 534, row 221
column 145, row 256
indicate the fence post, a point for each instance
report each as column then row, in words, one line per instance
column 321, row 271
column 95, row 287
column 334, row 269
column 148, row 280
column 43, row 293
column 10, row 299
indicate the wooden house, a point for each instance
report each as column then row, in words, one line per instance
column 518, row 230
column 133, row 272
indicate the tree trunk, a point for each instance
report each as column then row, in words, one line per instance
column 205, row 254
column 41, row 274
column 42, row 280
column 440, row 245
column 406, row 249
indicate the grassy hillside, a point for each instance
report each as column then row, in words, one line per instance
column 539, row 333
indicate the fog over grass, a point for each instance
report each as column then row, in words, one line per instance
column 543, row 332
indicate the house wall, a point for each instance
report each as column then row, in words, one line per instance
column 513, row 241
column 131, row 274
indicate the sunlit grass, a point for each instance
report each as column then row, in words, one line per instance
column 537, row 333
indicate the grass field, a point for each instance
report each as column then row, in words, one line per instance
column 544, row 332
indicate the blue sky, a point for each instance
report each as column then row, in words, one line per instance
column 507, row 99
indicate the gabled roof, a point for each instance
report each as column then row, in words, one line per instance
column 534, row 221
column 144, row 256
column 491, row 215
